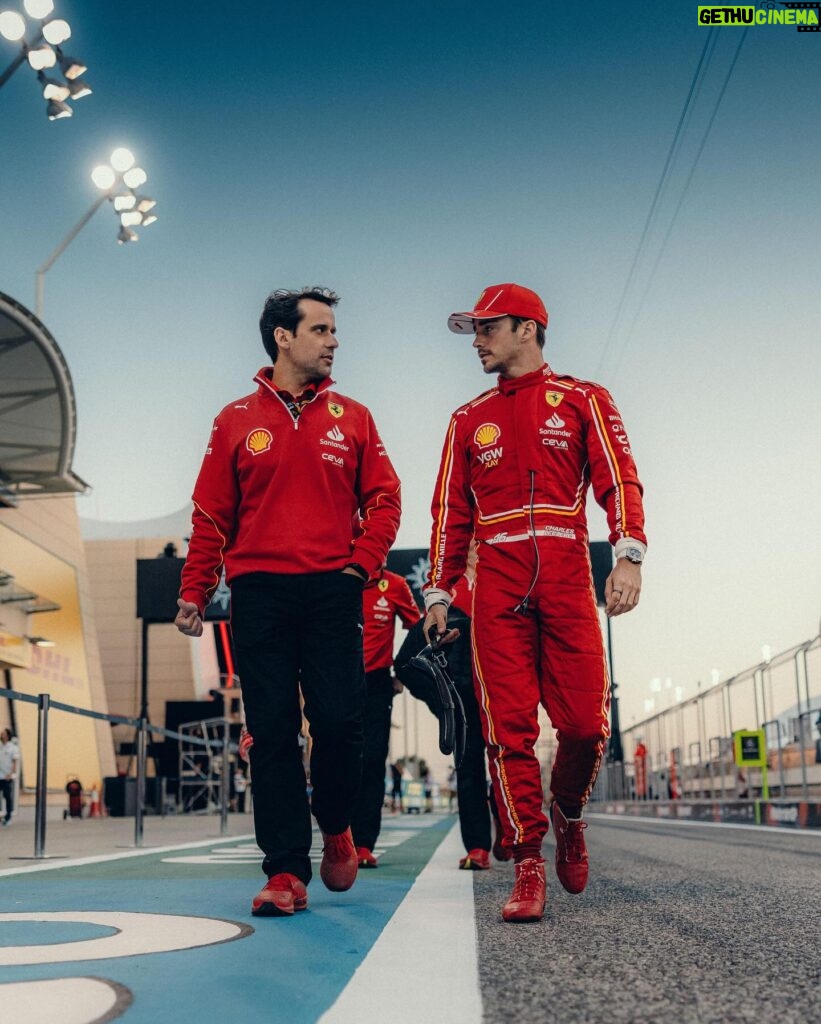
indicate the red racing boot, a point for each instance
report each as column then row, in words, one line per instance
column 572, row 861
column 476, row 860
column 529, row 890
column 280, row 896
column 339, row 861
column 366, row 858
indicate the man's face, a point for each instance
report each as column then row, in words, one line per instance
column 311, row 349
column 497, row 343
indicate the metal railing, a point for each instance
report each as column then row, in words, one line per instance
column 693, row 739
column 45, row 705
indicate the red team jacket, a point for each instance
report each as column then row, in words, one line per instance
column 543, row 439
column 385, row 598
column 280, row 495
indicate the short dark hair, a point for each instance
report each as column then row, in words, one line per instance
column 281, row 309
column 540, row 332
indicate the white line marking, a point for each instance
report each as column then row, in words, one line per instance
column 136, row 934
column 69, row 1000
column 424, row 965
column 627, row 819
column 51, row 865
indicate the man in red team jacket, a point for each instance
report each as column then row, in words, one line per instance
column 386, row 598
column 288, row 472
column 516, row 466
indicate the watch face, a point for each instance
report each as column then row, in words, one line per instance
column 633, row 555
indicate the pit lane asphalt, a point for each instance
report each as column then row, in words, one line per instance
column 681, row 922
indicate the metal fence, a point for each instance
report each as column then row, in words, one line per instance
column 214, row 745
column 689, row 746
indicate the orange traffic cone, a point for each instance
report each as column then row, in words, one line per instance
column 94, row 808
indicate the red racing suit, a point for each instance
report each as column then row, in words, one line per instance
column 385, row 598
column 515, row 471
column 283, row 495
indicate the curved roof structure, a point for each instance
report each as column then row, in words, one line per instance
column 38, row 417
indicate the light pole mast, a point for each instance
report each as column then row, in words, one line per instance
column 39, row 277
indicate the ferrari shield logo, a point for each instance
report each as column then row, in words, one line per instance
column 553, row 397
column 382, row 585
column 335, row 409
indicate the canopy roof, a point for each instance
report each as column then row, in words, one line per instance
column 38, row 418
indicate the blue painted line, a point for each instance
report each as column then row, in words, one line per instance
column 287, row 970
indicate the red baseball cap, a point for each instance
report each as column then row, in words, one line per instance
column 500, row 300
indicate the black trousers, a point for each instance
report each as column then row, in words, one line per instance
column 7, row 791
column 293, row 631
column 366, row 820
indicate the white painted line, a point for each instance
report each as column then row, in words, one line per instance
column 51, row 865
column 627, row 819
column 424, row 966
column 136, row 934
column 69, row 1000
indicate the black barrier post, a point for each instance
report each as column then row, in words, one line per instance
column 144, row 674
column 140, row 808
column 42, row 776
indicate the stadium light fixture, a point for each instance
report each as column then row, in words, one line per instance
column 131, row 210
column 42, row 51
column 56, row 110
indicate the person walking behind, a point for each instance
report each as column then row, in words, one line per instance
column 515, row 470
column 470, row 781
column 289, row 472
column 9, row 762
column 396, row 786
column 386, row 598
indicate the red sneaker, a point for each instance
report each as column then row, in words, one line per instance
column 339, row 861
column 246, row 741
column 280, row 896
column 476, row 860
column 366, row 858
column 526, row 902
column 571, row 851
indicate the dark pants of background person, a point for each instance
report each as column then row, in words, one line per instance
column 471, row 777
column 7, row 791
column 366, row 819
column 293, row 631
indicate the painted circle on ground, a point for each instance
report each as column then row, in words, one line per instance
column 136, row 934
column 69, row 1000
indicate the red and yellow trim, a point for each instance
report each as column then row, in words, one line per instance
column 497, row 762
column 614, row 464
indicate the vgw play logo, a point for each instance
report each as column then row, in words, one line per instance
column 805, row 16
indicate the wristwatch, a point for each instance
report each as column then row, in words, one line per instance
column 634, row 555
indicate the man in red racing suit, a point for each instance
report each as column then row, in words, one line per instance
column 515, row 471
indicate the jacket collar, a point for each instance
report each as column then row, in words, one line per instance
column 266, row 383
column 508, row 385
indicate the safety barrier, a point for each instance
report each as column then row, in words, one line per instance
column 685, row 752
column 143, row 729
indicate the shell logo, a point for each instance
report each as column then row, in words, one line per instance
column 486, row 435
column 259, row 440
